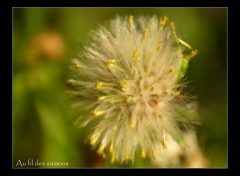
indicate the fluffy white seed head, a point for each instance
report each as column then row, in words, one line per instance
column 128, row 79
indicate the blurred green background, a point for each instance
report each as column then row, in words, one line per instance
column 44, row 41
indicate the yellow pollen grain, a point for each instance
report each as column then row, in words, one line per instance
column 100, row 150
column 96, row 113
column 146, row 30
column 94, row 139
column 111, row 147
column 101, row 98
column 143, row 154
column 124, row 81
column 98, row 85
column 113, row 158
column 128, row 98
column 110, row 62
column 130, row 23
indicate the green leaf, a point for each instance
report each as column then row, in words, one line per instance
column 184, row 64
column 183, row 68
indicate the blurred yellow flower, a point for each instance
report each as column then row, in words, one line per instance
column 46, row 45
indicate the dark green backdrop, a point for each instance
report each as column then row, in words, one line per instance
column 42, row 118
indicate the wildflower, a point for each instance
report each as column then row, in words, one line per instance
column 129, row 78
column 46, row 45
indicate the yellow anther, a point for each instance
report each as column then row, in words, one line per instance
column 147, row 69
column 96, row 113
column 98, row 85
column 150, row 88
column 164, row 144
column 163, row 23
column 143, row 154
column 127, row 156
column 128, row 98
column 113, row 158
column 171, row 70
column 145, row 33
column 101, row 98
column 135, row 55
column 110, row 62
column 112, row 101
column 158, row 47
column 94, row 138
column 132, row 125
column 124, row 81
column 177, row 93
column 185, row 44
column 193, row 53
column 111, row 147
column 130, row 23
column 100, row 150
column 93, row 141
column 78, row 65
column 164, row 140
column 123, row 89
column 154, row 154
column 174, row 31
column 115, row 101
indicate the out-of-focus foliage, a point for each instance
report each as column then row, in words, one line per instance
column 44, row 41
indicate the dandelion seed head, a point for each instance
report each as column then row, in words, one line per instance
column 127, row 78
